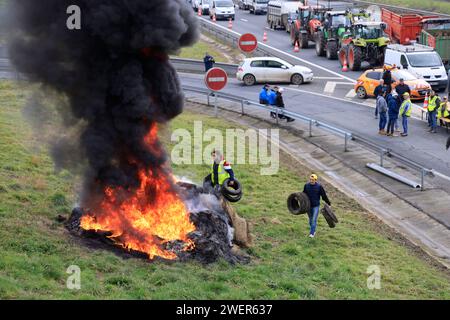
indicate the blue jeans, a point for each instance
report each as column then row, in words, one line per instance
column 433, row 116
column 405, row 124
column 313, row 215
column 383, row 120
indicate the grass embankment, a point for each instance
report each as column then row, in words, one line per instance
column 198, row 50
column 431, row 5
column 36, row 250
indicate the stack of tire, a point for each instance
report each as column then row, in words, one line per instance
column 231, row 193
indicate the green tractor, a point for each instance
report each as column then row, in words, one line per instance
column 328, row 35
column 365, row 41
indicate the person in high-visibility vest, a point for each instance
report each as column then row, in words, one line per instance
column 443, row 111
column 433, row 105
column 405, row 113
column 220, row 170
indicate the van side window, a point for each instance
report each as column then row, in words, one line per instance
column 403, row 60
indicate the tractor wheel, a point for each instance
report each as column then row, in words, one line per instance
column 320, row 44
column 304, row 43
column 332, row 50
column 354, row 58
column 343, row 55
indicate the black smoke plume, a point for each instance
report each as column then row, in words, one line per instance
column 114, row 76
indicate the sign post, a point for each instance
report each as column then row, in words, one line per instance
column 215, row 80
column 248, row 43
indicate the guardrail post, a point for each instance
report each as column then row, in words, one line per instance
column 382, row 157
column 422, row 180
column 207, row 97
column 215, row 105
column 346, row 142
column 242, row 107
column 310, row 128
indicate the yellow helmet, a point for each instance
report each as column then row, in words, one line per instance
column 313, row 177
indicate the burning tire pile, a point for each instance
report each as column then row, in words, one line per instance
column 115, row 86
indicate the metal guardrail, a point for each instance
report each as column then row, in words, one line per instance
column 383, row 152
column 197, row 66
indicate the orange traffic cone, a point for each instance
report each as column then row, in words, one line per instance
column 265, row 36
column 214, row 18
column 296, row 47
column 345, row 67
column 425, row 102
column 199, row 12
column 230, row 24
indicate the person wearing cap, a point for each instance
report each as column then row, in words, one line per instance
column 402, row 88
column 443, row 111
column 279, row 103
column 314, row 191
column 405, row 113
column 433, row 104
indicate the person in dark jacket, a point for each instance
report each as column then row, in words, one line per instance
column 393, row 110
column 208, row 61
column 387, row 78
column 402, row 88
column 279, row 102
column 272, row 97
column 382, row 110
column 314, row 191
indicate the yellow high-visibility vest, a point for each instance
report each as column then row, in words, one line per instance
column 221, row 173
column 432, row 104
column 403, row 107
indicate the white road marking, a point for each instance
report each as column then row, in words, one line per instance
column 327, row 78
column 285, row 53
column 245, row 20
column 330, row 87
column 351, row 94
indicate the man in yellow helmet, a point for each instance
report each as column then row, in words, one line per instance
column 314, row 191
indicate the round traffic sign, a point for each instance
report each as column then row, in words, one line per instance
column 248, row 43
column 216, row 79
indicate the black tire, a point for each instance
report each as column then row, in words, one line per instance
column 332, row 50
column 249, row 80
column 320, row 44
column 297, row 79
column 330, row 212
column 235, row 190
column 329, row 217
column 354, row 58
column 231, row 198
column 304, row 42
column 298, row 203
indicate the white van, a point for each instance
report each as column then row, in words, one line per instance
column 204, row 4
column 422, row 61
column 223, row 9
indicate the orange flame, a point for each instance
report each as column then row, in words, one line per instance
column 146, row 218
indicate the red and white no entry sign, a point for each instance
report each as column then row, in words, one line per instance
column 248, row 43
column 216, row 79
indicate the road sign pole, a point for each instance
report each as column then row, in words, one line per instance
column 216, row 114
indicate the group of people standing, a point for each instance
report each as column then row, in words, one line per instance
column 395, row 104
column 273, row 97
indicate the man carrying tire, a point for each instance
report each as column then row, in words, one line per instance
column 220, row 171
column 314, row 191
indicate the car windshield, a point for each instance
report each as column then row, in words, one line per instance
column 402, row 74
column 339, row 20
column 222, row 4
column 425, row 60
column 367, row 32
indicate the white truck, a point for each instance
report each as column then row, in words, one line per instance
column 258, row 6
column 278, row 12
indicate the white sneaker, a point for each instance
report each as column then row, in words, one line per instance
column 311, row 236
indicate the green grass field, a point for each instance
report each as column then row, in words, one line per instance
column 36, row 250
column 431, row 5
column 197, row 51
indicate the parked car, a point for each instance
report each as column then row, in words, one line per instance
column 223, row 9
column 270, row 69
column 258, row 6
column 203, row 4
column 369, row 80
